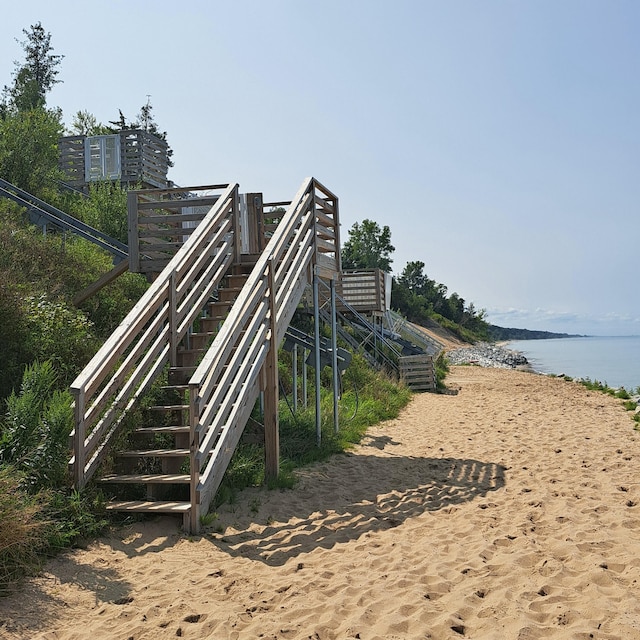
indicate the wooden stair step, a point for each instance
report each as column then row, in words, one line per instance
column 220, row 306
column 228, row 294
column 163, row 429
column 175, row 387
column 154, row 453
column 237, row 280
column 189, row 352
column 180, row 374
column 148, row 506
column 204, row 334
column 147, row 478
column 209, row 326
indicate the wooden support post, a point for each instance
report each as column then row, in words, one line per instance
column 271, row 420
column 235, row 217
column 194, row 464
column 255, row 222
column 78, row 439
column 132, row 225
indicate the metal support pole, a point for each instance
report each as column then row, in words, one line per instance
column 304, row 377
column 316, row 337
column 334, row 357
column 294, row 375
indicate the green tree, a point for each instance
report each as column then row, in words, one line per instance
column 36, row 76
column 84, row 123
column 105, row 209
column 369, row 246
column 29, row 149
column 144, row 120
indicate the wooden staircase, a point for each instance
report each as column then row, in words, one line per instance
column 215, row 363
column 167, row 488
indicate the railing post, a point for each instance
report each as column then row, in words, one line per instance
column 271, row 419
column 194, row 457
column 235, row 216
column 78, row 439
column 132, row 230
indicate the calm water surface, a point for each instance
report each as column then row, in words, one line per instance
column 614, row 360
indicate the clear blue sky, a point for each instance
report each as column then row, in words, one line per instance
column 499, row 140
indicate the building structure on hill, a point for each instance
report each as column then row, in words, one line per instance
column 133, row 157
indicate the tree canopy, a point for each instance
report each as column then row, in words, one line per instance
column 368, row 247
column 36, row 75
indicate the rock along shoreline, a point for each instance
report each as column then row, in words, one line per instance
column 485, row 354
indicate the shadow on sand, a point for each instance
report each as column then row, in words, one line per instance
column 364, row 495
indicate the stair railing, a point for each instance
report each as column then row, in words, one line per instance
column 227, row 383
column 147, row 339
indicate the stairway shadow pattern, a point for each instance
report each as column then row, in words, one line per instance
column 366, row 494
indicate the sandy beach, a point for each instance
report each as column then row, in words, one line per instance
column 508, row 511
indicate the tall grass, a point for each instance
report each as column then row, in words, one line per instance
column 23, row 528
column 39, row 512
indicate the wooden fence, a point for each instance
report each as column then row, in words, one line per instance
column 161, row 220
column 418, row 372
column 364, row 289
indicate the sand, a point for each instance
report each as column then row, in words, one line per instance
column 509, row 510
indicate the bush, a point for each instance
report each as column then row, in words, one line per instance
column 59, row 333
column 35, row 436
column 39, row 512
column 105, row 209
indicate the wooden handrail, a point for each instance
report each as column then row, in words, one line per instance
column 145, row 341
column 226, row 384
column 228, row 380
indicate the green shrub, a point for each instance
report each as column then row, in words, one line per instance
column 105, row 209
column 442, row 368
column 35, row 435
column 58, row 333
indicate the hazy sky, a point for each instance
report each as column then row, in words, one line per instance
column 499, row 140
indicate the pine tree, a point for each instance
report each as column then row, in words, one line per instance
column 36, row 76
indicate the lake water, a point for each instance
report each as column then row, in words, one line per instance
column 614, row 360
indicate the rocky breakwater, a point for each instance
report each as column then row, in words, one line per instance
column 488, row 355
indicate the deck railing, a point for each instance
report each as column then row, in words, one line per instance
column 226, row 384
column 147, row 339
